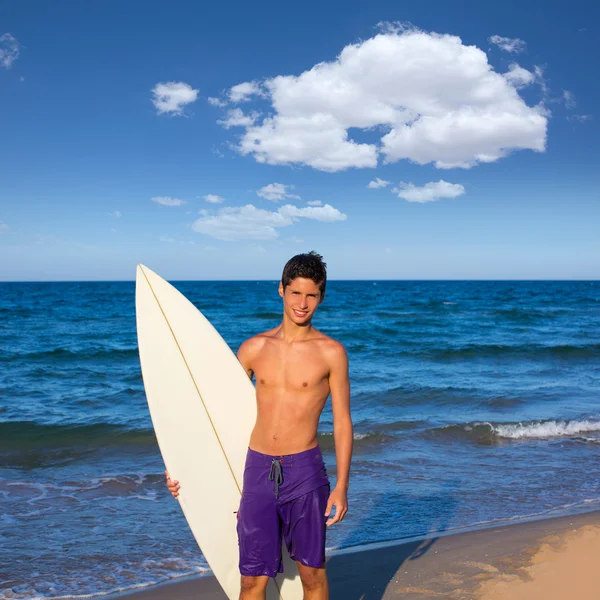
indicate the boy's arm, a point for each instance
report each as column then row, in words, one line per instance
column 245, row 355
column 339, row 385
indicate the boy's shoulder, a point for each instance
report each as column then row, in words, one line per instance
column 257, row 342
column 329, row 345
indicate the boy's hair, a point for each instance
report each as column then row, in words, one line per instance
column 308, row 266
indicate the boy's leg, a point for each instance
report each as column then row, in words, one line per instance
column 314, row 582
column 304, row 530
column 254, row 588
column 258, row 529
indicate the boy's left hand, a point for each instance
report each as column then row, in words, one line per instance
column 337, row 498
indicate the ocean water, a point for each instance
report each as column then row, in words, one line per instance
column 474, row 403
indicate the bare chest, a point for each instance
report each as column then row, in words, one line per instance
column 290, row 368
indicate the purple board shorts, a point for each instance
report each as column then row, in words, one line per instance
column 282, row 497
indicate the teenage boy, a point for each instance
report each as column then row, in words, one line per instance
column 286, row 491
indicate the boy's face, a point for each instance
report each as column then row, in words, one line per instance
column 300, row 299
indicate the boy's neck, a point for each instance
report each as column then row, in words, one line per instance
column 291, row 332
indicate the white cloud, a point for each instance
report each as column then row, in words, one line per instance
column 116, row 214
column 276, row 192
column 579, row 118
column 378, row 183
column 242, row 92
column 325, row 213
column 314, row 203
column 237, row 118
column 434, row 190
column 9, row 50
column 512, row 45
column 217, row 102
column 518, row 76
column 172, row 97
column 168, row 201
column 213, row 199
column 569, row 99
column 541, row 80
column 3, row 227
column 251, row 223
column 166, row 239
column 113, row 230
column 434, row 99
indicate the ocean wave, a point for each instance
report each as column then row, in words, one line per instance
column 545, row 429
column 21, row 435
column 488, row 432
column 64, row 354
column 412, row 394
column 527, row 315
column 27, row 444
column 533, row 351
column 362, row 439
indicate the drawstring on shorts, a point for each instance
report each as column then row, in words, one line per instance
column 276, row 475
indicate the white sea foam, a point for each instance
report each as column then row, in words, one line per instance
column 544, row 429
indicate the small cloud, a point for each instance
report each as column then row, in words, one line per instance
column 519, row 77
column 166, row 239
column 378, row 183
column 116, row 213
column 213, row 199
column 296, row 240
column 237, row 118
column 512, row 45
column 579, row 118
column 168, row 201
column 314, row 203
column 251, row 223
column 429, row 192
column 3, row 227
column 22, row 78
column 242, row 92
column 113, row 230
column 395, row 27
column 569, row 99
column 9, row 50
column 276, row 192
column 217, row 102
column 326, row 213
column 172, row 97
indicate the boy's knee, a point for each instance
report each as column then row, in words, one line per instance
column 312, row 578
column 251, row 583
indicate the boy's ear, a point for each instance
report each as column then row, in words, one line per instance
column 281, row 289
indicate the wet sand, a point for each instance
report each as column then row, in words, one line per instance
column 549, row 559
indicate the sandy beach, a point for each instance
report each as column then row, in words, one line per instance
column 549, row 559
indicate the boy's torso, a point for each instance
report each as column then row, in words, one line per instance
column 292, row 386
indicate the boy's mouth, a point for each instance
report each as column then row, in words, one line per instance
column 299, row 313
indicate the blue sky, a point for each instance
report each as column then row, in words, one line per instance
column 216, row 142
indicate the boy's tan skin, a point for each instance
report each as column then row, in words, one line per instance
column 296, row 368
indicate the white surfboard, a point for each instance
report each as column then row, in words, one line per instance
column 203, row 409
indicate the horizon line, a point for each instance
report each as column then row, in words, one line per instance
column 277, row 280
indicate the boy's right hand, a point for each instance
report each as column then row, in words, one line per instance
column 172, row 485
